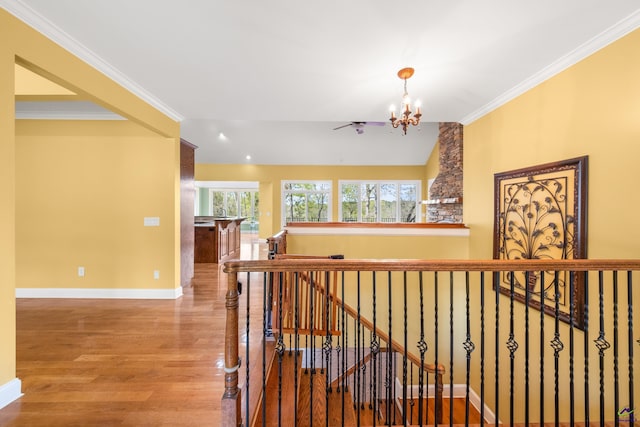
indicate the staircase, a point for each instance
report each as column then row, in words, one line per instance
column 296, row 395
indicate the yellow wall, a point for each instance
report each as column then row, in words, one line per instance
column 271, row 177
column 592, row 108
column 26, row 47
column 7, row 217
column 83, row 189
column 380, row 247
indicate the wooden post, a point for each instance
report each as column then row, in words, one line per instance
column 232, row 397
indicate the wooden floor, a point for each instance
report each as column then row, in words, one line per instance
column 124, row 362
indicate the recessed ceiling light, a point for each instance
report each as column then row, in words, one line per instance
column 222, row 136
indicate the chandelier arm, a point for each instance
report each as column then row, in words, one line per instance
column 405, row 118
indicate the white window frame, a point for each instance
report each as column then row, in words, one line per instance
column 283, row 192
column 378, row 183
column 226, row 191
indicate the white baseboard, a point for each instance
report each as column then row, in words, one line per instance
column 458, row 391
column 10, row 392
column 106, row 293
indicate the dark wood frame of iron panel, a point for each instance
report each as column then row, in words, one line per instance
column 541, row 213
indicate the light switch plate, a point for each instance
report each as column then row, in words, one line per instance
column 151, row 221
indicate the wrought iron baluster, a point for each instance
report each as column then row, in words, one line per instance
column 307, row 356
column 482, row 348
column 312, row 316
column 450, row 342
column 543, row 296
column 601, row 343
column 512, row 345
column 359, row 356
column 328, row 345
column 267, row 295
column 436, row 410
column 344, row 348
column 496, row 278
column 345, row 352
column 363, row 378
column 389, row 383
column 379, row 413
column 422, row 347
column 616, row 385
column 280, row 347
column 572, row 307
column 469, row 346
column 630, row 344
column 527, row 297
column 375, row 348
column 586, row 348
column 371, row 372
column 296, row 333
column 246, row 357
column 355, row 391
column 557, row 346
column 404, row 355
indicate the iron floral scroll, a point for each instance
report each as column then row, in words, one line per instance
column 540, row 213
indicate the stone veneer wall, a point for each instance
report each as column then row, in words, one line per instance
column 445, row 200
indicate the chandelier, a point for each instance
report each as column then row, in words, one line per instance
column 405, row 118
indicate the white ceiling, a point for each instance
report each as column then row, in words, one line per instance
column 276, row 77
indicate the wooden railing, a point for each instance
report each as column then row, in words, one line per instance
column 573, row 361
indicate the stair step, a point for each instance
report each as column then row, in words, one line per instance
column 282, row 385
column 312, row 399
column 338, row 401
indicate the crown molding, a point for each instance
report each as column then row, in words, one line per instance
column 30, row 17
column 588, row 48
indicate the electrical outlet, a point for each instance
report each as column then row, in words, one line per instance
column 156, row 274
column 80, row 271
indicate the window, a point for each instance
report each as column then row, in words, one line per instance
column 235, row 203
column 306, row 201
column 379, row 201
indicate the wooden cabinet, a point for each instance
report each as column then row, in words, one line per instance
column 217, row 240
column 187, row 197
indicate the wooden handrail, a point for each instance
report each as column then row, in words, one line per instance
column 488, row 265
column 418, row 225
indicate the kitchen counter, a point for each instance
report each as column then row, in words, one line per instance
column 217, row 239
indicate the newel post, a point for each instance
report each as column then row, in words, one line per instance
column 231, row 415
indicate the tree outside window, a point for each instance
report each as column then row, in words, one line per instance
column 306, row 201
column 379, row 201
